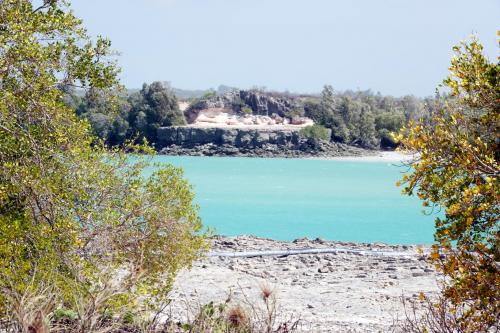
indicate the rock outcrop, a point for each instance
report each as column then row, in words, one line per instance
column 233, row 102
column 185, row 140
column 267, row 104
column 220, row 102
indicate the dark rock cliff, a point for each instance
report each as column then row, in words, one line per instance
column 267, row 104
column 183, row 140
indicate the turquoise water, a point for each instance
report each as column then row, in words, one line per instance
column 292, row 198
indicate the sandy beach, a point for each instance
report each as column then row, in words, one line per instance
column 351, row 288
column 376, row 156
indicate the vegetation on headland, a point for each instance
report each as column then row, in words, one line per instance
column 81, row 230
column 352, row 120
column 458, row 169
column 117, row 117
column 359, row 118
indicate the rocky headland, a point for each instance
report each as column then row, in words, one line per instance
column 337, row 287
column 247, row 123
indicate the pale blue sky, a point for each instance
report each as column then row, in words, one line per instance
column 396, row 47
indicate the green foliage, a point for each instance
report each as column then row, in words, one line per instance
column 387, row 123
column 295, row 112
column 332, row 115
column 116, row 117
column 75, row 216
column 256, row 316
column 212, row 317
column 209, row 94
column 154, row 106
column 387, row 140
column 352, row 115
column 246, row 110
column 64, row 314
column 311, row 109
column 457, row 168
column 316, row 132
column 366, row 127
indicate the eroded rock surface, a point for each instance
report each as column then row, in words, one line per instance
column 261, row 103
column 336, row 292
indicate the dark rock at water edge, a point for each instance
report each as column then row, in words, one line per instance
column 194, row 141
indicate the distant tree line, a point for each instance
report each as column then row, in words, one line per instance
column 123, row 116
column 358, row 118
column 364, row 118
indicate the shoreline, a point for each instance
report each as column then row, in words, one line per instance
column 199, row 141
column 379, row 156
column 249, row 246
column 376, row 156
column 358, row 287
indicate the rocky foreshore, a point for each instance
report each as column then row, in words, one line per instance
column 350, row 288
column 193, row 141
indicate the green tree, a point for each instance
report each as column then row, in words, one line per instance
column 330, row 115
column 80, row 227
column 367, row 133
column 412, row 108
column 153, row 107
column 119, row 131
column 457, row 168
column 107, row 112
column 312, row 110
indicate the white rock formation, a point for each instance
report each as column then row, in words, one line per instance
column 218, row 117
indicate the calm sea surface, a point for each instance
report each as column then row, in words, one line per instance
column 292, row 198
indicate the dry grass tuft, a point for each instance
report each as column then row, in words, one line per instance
column 237, row 316
column 266, row 291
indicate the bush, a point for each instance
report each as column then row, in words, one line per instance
column 457, row 169
column 80, row 226
column 316, row 132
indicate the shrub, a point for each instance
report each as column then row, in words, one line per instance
column 246, row 110
column 316, row 132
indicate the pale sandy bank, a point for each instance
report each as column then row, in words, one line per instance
column 377, row 156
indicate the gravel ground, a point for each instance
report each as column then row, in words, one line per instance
column 352, row 288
